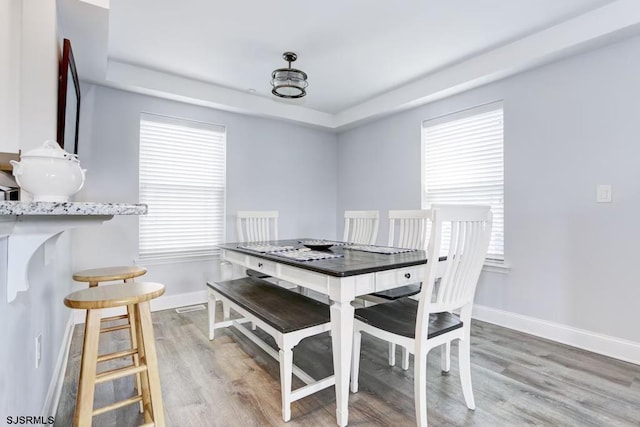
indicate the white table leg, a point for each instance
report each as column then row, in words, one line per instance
column 342, row 341
column 211, row 308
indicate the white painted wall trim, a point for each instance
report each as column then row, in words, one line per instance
column 608, row 23
column 147, row 81
column 496, row 267
column 165, row 302
column 617, row 348
column 52, row 399
column 179, row 300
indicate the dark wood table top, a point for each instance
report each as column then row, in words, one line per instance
column 354, row 262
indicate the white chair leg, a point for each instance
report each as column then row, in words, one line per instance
column 211, row 306
column 405, row 358
column 226, row 310
column 392, row 354
column 464, row 358
column 286, row 371
column 420, row 387
column 355, row 361
column 445, row 357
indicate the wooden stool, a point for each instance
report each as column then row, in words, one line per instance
column 135, row 295
column 108, row 274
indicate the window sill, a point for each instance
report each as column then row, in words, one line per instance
column 175, row 259
column 496, row 267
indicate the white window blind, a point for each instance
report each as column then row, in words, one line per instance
column 463, row 163
column 183, row 181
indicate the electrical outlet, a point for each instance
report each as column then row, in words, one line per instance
column 603, row 193
column 38, row 350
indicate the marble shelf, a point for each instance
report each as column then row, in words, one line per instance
column 30, row 225
column 70, row 208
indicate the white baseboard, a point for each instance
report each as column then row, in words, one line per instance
column 179, row 300
column 617, row 348
column 165, row 302
column 57, row 380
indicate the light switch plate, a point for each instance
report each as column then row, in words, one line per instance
column 38, row 350
column 603, row 193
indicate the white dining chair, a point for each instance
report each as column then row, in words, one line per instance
column 361, row 227
column 430, row 322
column 257, row 226
column 407, row 229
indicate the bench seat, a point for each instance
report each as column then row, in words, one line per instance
column 287, row 316
column 283, row 310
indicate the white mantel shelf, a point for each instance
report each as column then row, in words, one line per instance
column 30, row 225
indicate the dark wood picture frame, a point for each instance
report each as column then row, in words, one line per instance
column 68, row 100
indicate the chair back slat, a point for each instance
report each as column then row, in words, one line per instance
column 468, row 242
column 257, row 226
column 361, row 227
column 409, row 228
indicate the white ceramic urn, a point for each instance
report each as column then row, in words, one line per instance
column 49, row 173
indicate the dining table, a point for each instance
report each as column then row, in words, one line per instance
column 338, row 270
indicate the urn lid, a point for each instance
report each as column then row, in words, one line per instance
column 50, row 149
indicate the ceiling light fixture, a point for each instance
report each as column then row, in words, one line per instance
column 289, row 82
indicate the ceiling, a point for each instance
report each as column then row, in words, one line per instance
column 364, row 58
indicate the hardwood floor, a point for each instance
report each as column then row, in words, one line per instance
column 518, row 380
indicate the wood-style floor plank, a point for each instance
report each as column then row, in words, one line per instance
column 518, row 380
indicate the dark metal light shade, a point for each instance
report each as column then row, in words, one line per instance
column 289, row 82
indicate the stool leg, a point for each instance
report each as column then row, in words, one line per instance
column 134, row 342
column 144, row 377
column 86, row 385
column 150, row 359
column 131, row 312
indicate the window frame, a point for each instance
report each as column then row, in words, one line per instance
column 490, row 264
column 184, row 256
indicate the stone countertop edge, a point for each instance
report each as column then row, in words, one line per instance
column 71, row 208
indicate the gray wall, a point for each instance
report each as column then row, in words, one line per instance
column 28, row 108
column 568, row 127
column 270, row 165
column 38, row 311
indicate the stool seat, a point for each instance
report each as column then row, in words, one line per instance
column 107, row 274
column 118, row 295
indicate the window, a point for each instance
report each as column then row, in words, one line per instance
column 463, row 163
column 182, row 180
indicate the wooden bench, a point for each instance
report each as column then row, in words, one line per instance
column 287, row 316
